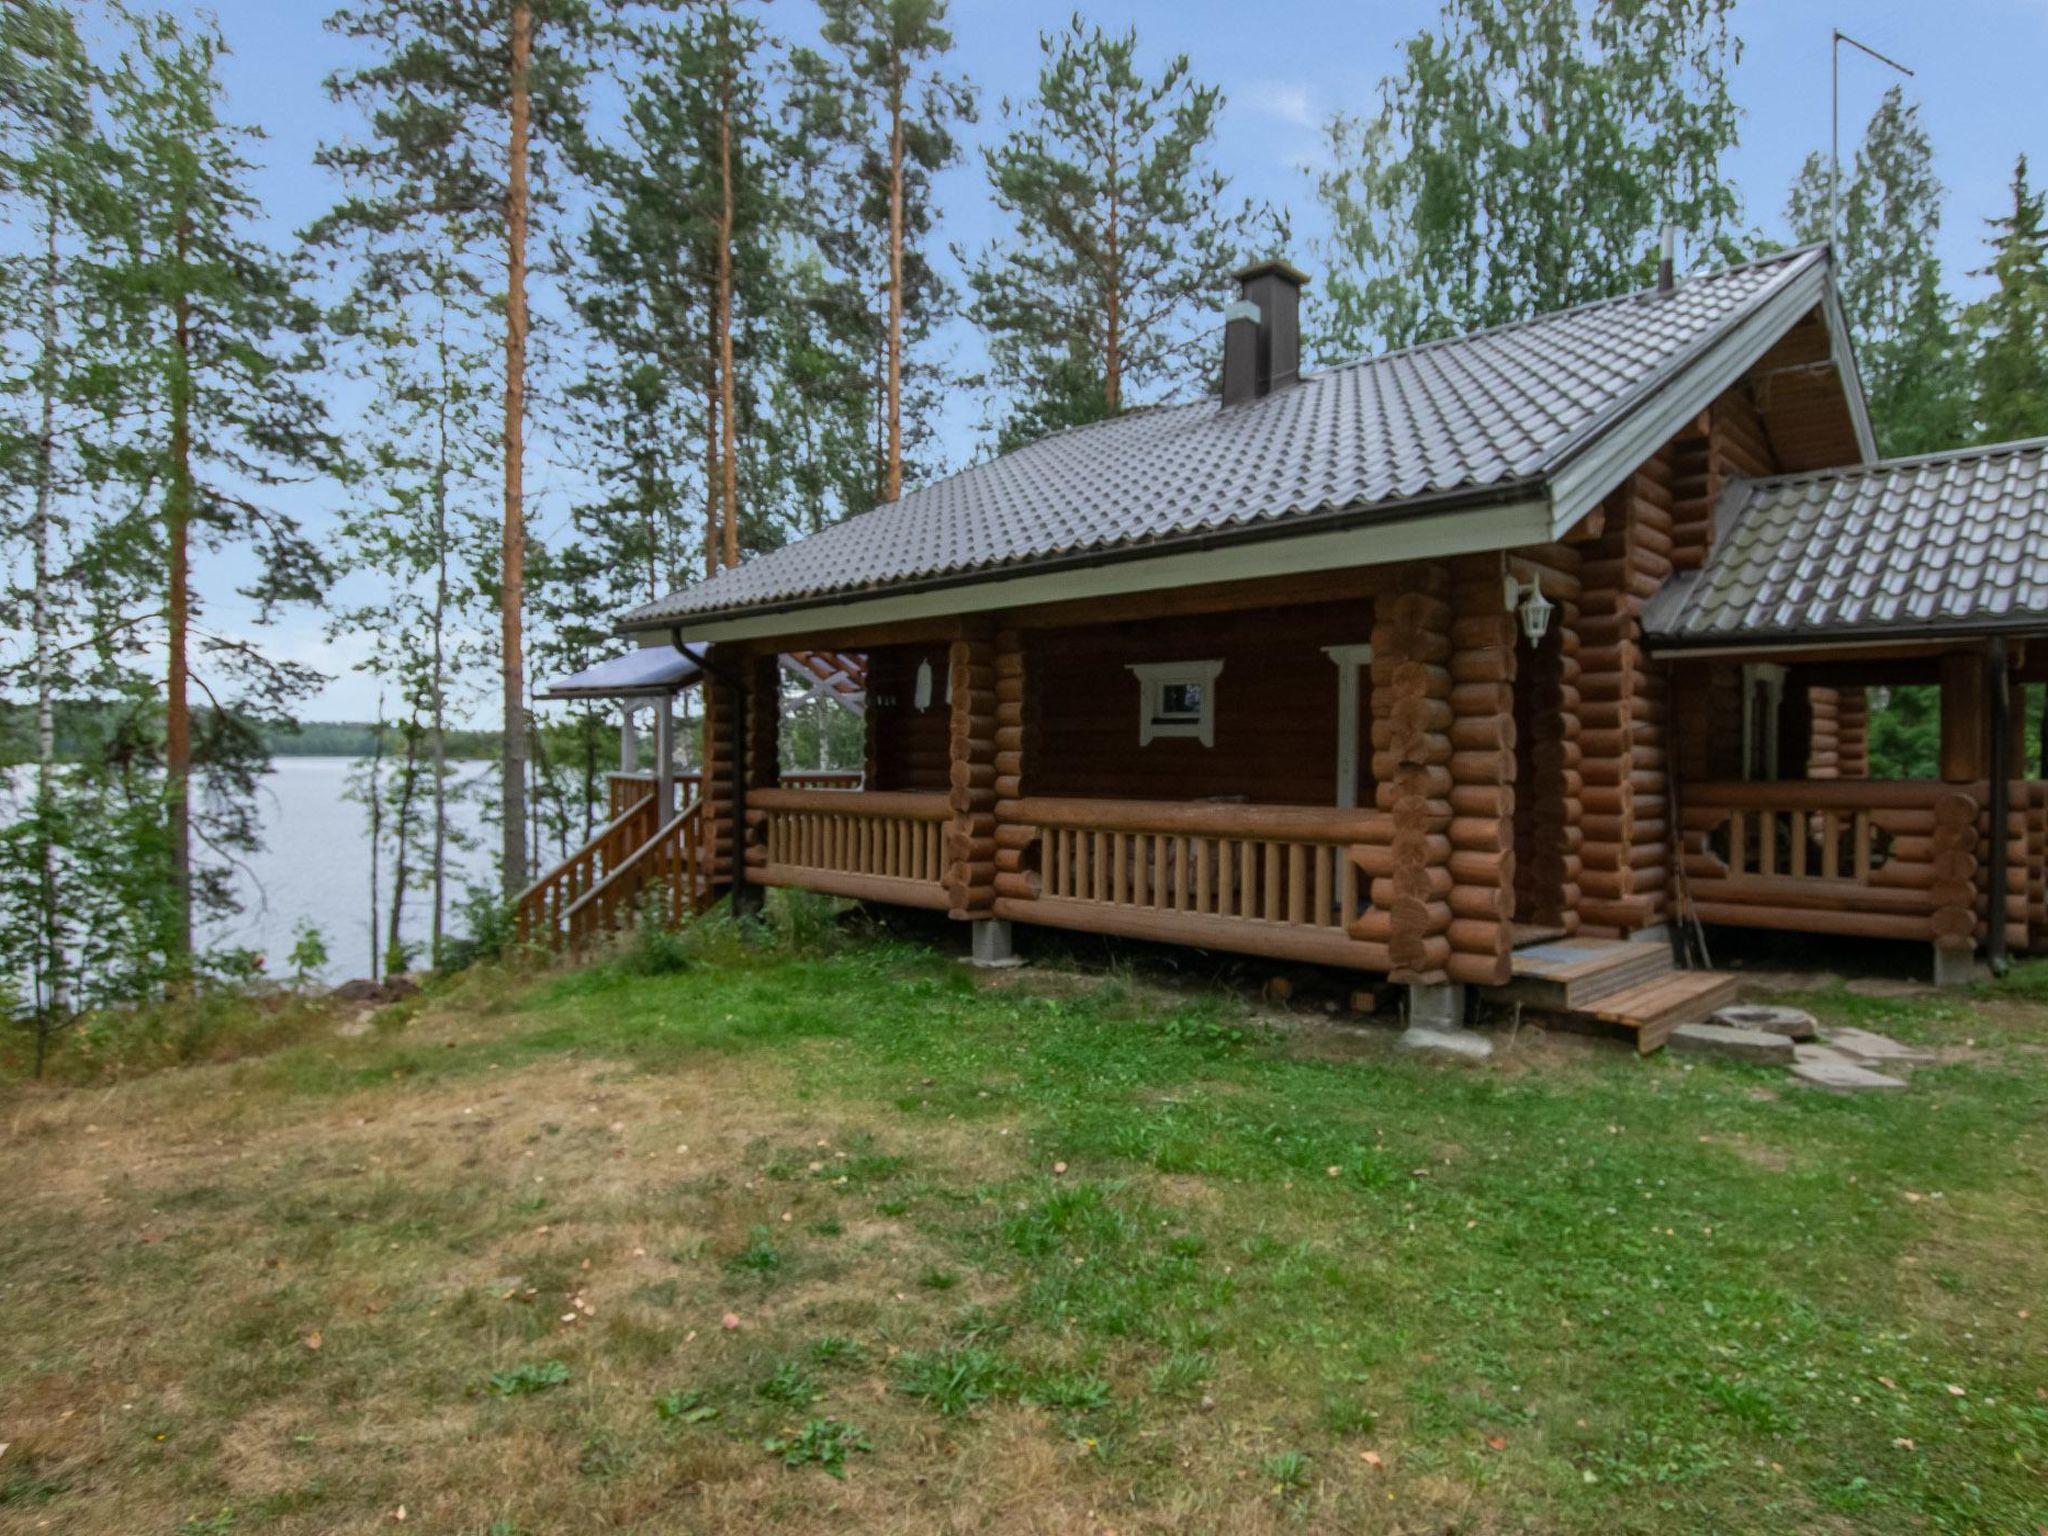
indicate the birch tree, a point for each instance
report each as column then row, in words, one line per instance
column 1522, row 160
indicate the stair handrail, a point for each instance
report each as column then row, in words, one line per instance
column 530, row 903
column 688, row 876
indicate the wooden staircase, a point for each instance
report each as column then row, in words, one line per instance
column 1615, row 985
column 630, row 871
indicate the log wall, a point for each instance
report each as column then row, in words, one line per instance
column 907, row 746
column 1276, row 728
column 1625, row 856
column 1549, row 806
column 1823, row 734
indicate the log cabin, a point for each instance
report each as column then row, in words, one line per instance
column 1487, row 667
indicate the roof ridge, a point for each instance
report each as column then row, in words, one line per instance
column 1634, row 295
column 1904, row 461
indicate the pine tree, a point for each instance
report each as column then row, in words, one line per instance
column 2009, row 362
column 50, row 155
column 1903, row 322
column 215, row 342
column 878, row 119
column 463, row 100
column 1523, row 160
column 1121, row 235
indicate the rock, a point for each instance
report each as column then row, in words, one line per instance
column 1792, row 1023
column 360, row 990
column 1730, row 1041
column 1868, row 1047
column 1466, row 1043
column 1830, row 1069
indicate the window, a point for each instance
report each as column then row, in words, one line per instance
column 1177, row 698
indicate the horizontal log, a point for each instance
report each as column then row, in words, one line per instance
column 909, row 805
column 831, row 882
column 1276, row 941
column 1295, row 823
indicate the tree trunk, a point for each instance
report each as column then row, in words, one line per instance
column 711, row 429
column 1112, row 308
column 177, row 705
column 52, row 997
column 440, row 662
column 394, row 943
column 376, row 833
column 893, row 484
column 511, row 598
column 729, row 544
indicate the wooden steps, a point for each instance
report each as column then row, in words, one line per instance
column 1614, row 984
column 1653, row 1009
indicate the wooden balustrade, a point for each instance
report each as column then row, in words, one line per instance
column 542, row 909
column 1268, row 880
column 867, row 845
column 1875, row 859
column 663, row 880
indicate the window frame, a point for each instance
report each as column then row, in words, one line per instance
column 1154, row 678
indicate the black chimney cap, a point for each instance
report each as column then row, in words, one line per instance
column 1275, row 267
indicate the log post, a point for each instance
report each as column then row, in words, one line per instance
column 1482, row 764
column 970, row 839
column 720, row 758
column 1018, row 856
column 1411, row 738
column 1852, row 732
column 1954, row 890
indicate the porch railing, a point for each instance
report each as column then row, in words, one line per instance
column 868, row 845
column 1268, row 880
column 665, row 879
column 626, row 789
column 1876, row 859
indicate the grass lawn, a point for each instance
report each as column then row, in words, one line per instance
column 842, row 1236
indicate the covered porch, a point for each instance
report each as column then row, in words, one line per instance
column 1339, row 769
column 1783, row 826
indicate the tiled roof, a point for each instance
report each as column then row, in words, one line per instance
column 1492, row 411
column 1955, row 541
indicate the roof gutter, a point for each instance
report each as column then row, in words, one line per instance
column 1288, row 526
column 1747, row 642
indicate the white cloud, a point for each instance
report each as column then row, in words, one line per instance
column 1288, row 101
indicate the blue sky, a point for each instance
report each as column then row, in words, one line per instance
column 1284, row 66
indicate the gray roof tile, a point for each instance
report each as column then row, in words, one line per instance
column 1477, row 412
column 1951, row 541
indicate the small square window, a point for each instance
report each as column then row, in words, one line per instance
column 1177, row 698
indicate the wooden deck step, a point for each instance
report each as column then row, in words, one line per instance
column 1654, row 1008
column 1567, row 975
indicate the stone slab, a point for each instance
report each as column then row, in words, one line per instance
column 1869, row 1047
column 1726, row 1040
column 1831, row 1070
column 1792, row 1023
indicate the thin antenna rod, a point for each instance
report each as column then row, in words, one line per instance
column 1835, row 121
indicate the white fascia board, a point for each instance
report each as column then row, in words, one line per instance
column 1584, row 483
column 1423, row 538
column 1842, row 348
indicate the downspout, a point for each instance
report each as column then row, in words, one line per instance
column 2000, row 799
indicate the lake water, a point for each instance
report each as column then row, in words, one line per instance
column 315, row 865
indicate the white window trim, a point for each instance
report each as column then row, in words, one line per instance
column 1350, row 660
column 1154, row 677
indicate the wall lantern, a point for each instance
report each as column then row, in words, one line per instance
column 1536, row 609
